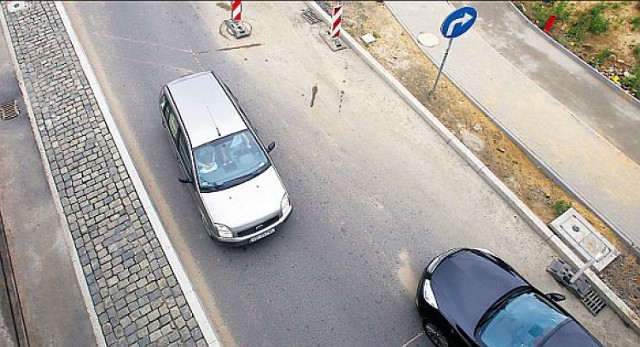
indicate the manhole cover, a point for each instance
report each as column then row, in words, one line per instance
column 310, row 17
column 9, row 110
column 428, row 39
column 594, row 302
column 15, row 6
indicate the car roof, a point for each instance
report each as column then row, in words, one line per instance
column 205, row 108
column 467, row 282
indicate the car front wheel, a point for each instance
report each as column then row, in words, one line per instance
column 435, row 335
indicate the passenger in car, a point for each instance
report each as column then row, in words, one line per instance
column 206, row 160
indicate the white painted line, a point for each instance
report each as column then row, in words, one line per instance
column 68, row 239
column 413, row 339
column 163, row 238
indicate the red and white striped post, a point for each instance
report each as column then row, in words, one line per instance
column 336, row 20
column 236, row 10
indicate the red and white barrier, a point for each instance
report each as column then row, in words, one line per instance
column 336, row 20
column 236, row 10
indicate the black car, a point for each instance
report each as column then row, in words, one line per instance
column 470, row 297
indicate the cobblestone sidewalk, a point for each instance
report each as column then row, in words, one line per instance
column 136, row 296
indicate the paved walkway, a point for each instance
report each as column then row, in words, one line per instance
column 555, row 130
column 49, row 296
column 134, row 291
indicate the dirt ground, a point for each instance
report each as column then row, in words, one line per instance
column 398, row 53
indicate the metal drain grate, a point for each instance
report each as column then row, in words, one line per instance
column 310, row 17
column 9, row 110
column 594, row 302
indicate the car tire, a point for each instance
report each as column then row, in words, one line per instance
column 435, row 335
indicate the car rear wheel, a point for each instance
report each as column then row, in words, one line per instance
column 435, row 335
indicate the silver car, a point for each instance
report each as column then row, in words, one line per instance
column 238, row 191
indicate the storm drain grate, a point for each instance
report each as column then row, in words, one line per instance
column 310, row 17
column 9, row 110
column 594, row 302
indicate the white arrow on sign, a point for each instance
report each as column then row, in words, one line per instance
column 462, row 21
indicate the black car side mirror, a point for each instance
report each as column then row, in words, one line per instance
column 185, row 180
column 557, row 297
column 271, row 146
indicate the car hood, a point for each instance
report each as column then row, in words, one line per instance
column 467, row 283
column 246, row 204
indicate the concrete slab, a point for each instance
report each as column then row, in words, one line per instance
column 576, row 231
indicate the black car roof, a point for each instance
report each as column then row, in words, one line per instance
column 468, row 282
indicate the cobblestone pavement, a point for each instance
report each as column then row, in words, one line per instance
column 136, row 296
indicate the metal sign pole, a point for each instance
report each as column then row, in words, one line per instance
column 446, row 53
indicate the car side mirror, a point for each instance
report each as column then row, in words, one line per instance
column 271, row 146
column 185, row 180
column 557, row 297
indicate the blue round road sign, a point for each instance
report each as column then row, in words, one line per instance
column 458, row 22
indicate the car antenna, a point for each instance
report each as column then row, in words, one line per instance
column 214, row 121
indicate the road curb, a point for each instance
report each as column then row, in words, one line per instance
column 572, row 55
column 621, row 308
column 163, row 238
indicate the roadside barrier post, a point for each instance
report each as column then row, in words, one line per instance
column 236, row 10
column 547, row 26
column 336, row 21
column 332, row 37
column 236, row 26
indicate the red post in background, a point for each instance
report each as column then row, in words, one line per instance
column 236, row 10
column 549, row 23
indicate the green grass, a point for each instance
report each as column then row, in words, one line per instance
column 633, row 81
column 598, row 22
column 562, row 10
column 591, row 21
column 540, row 11
column 561, row 207
column 602, row 56
column 635, row 23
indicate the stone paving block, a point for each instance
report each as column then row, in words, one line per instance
column 125, row 268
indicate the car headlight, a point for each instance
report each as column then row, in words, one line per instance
column 427, row 293
column 285, row 206
column 223, row 230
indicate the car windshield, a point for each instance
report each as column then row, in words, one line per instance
column 522, row 320
column 229, row 161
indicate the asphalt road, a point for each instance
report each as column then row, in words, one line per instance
column 376, row 192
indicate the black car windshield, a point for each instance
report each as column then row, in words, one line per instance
column 522, row 320
column 229, row 161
